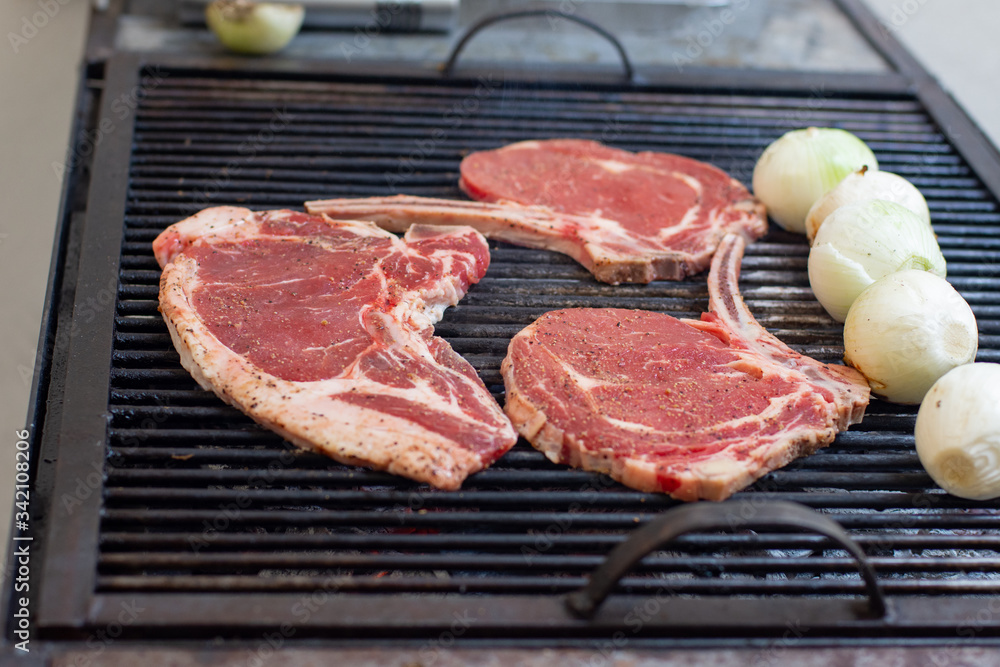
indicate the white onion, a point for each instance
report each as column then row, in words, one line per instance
column 860, row 243
column 255, row 28
column 905, row 331
column 801, row 166
column 863, row 185
column 958, row 431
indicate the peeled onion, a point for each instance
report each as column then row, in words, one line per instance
column 861, row 186
column 254, row 28
column 905, row 331
column 958, row 431
column 803, row 165
column 860, row 243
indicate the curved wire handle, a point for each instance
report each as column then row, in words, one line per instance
column 449, row 65
column 731, row 515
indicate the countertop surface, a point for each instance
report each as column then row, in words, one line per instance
column 767, row 34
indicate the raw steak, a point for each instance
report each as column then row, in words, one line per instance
column 626, row 217
column 669, row 212
column 323, row 332
column 693, row 408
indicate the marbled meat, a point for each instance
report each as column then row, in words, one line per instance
column 323, row 332
column 697, row 409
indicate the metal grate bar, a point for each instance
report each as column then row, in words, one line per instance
column 505, row 542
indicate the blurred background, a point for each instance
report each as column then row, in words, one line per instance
column 44, row 41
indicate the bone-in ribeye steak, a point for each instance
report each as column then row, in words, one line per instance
column 627, row 217
column 323, row 332
column 692, row 408
column 669, row 212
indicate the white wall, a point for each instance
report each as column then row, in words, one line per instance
column 39, row 70
column 957, row 42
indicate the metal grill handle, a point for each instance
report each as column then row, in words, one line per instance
column 723, row 516
column 504, row 16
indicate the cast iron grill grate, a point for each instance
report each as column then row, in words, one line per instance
column 198, row 499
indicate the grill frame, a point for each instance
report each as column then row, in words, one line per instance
column 69, row 608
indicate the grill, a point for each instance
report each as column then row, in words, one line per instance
column 156, row 494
